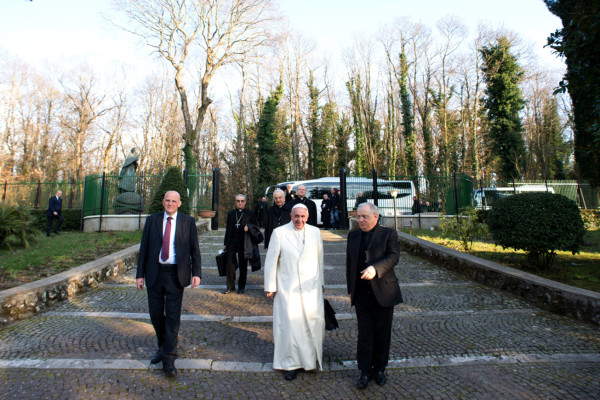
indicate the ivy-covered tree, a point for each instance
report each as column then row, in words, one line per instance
column 503, row 101
column 317, row 167
column 553, row 147
column 271, row 163
column 407, row 119
column 342, row 148
column 578, row 42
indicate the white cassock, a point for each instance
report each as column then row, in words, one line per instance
column 295, row 272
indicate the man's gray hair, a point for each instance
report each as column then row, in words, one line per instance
column 278, row 191
column 240, row 195
column 372, row 208
column 300, row 186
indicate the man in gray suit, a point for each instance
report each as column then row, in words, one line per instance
column 168, row 261
column 371, row 255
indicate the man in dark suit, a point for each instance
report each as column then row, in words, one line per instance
column 169, row 259
column 302, row 199
column 335, row 208
column 371, row 255
column 53, row 212
column 237, row 220
column 260, row 209
column 277, row 215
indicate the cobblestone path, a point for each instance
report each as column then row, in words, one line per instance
column 452, row 338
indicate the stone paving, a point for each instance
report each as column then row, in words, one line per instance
column 452, row 338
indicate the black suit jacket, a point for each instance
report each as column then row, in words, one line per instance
column 54, row 205
column 230, row 234
column 273, row 219
column 383, row 254
column 187, row 249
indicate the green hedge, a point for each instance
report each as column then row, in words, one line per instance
column 539, row 223
column 72, row 220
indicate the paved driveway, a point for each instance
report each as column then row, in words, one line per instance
column 452, row 338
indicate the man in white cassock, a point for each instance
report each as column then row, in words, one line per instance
column 294, row 280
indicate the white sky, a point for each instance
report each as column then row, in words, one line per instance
column 67, row 32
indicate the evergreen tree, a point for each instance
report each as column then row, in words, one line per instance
column 271, row 147
column 342, row 140
column 173, row 180
column 503, row 102
column 407, row 119
column 578, row 42
column 318, row 149
column 555, row 149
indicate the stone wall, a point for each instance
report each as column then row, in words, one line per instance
column 22, row 301
column 550, row 295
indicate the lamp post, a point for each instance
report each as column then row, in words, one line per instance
column 394, row 193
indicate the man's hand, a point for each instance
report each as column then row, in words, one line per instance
column 270, row 295
column 195, row 281
column 54, row 212
column 368, row 273
column 139, row 282
column 246, row 228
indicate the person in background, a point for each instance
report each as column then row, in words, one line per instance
column 335, row 209
column 237, row 219
column 326, row 211
column 278, row 214
column 359, row 200
column 259, row 210
column 302, row 199
column 54, row 212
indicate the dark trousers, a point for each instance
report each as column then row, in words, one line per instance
column 60, row 219
column 374, row 333
column 237, row 250
column 164, row 303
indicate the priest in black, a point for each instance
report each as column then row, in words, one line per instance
column 312, row 207
column 278, row 214
column 371, row 255
column 237, row 220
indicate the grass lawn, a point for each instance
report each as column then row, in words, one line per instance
column 580, row 270
column 51, row 255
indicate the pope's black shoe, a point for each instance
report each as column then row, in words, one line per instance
column 290, row 375
column 380, row 378
column 363, row 381
column 169, row 369
column 157, row 357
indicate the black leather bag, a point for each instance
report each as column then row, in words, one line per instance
column 330, row 320
column 222, row 263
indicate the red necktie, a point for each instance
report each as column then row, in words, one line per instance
column 166, row 241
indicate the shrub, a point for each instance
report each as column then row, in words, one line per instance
column 539, row 224
column 591, row 219
column 173, row 180
column 466, row 228
column 17, row 223
column 72, row 221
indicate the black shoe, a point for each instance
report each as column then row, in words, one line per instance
column 157, row 357
column 240, row 291
column 226, row 291
column 169, row 369
column 380, row 378
column 290, row 375
column 363, row 381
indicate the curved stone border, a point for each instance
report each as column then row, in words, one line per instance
column 547, row 294
column 22, row 301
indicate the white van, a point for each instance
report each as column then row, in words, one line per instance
column 315, row 188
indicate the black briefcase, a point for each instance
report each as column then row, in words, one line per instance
column 330, row 319
column 222, row 263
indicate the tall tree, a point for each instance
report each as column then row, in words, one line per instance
column 271, row 147
column 318, row 145
column 503, row 102
column 578, row 42
column 218, row 32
